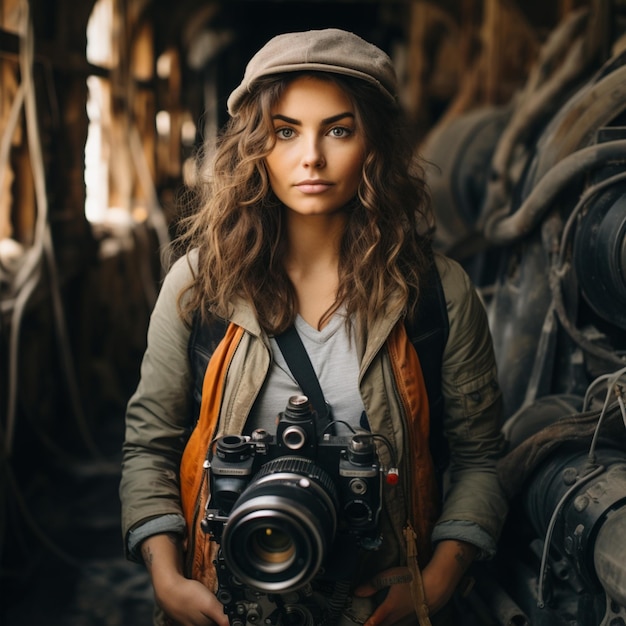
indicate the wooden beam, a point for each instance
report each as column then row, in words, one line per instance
column 46, row 53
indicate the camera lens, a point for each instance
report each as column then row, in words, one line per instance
column 280, row 529
column 272, row 546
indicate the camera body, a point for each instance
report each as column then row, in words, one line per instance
column 289, row 508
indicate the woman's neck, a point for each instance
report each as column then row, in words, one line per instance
column 312, row 263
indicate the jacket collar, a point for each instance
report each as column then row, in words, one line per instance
column 243, row 315
column 380, row 330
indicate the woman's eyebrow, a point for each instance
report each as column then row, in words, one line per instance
column 328, row 120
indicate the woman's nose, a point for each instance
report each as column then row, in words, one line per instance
column 313, row 154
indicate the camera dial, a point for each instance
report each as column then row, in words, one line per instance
column 361, row 450
column 358, row 486
column 232, row 448
column 260, row 435
column 298, row 408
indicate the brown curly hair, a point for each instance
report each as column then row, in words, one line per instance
column 238, row 229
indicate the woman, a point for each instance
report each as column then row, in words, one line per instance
column 315, row 215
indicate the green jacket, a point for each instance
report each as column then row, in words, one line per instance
column 158, row 423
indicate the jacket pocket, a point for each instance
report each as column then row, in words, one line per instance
column 479, row 393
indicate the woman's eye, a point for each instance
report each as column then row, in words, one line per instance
column 285, row 133
column 340, row 131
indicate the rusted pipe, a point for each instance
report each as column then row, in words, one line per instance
column 502, row 229
column 504, row 609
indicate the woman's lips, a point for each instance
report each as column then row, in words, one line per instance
column 313, row 186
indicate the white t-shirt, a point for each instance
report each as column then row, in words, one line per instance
column 333, row 355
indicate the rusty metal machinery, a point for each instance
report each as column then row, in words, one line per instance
column 531, row 199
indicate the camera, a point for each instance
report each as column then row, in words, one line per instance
column 288, row 509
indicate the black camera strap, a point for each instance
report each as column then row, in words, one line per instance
column 297, row 358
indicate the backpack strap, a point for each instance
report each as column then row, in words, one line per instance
column 203, row 340
column 428, row 332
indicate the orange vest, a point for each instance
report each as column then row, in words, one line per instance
column 201, row 551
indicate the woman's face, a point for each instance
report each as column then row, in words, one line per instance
column 315, row 166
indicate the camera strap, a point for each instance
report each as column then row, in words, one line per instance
column 297, row 358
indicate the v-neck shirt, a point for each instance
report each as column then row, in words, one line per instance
column 332, row 352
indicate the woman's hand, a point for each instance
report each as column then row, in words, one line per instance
column 186, row 602
column 189, row 603
column 440, row 578
column 398, row 603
